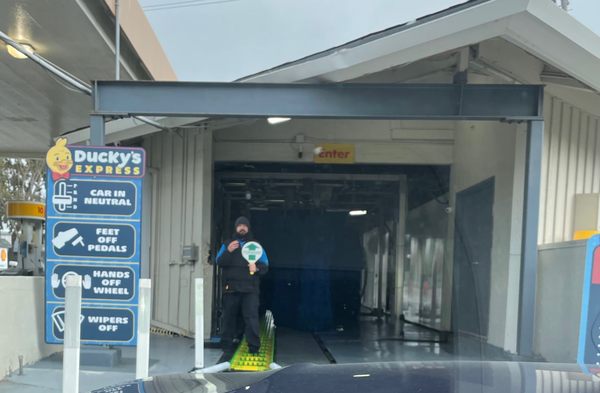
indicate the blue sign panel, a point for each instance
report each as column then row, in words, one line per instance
column 110, row 283
column 94, row 240
column 589, row 327
column 89, row 197
column 93, row 230
column 101, row 325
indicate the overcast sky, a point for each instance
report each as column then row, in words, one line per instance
column 222, row 40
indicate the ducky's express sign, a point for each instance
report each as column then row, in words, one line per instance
column 66, row 161
column 94, row 161
column 94, row 230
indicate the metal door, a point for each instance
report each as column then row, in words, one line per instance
column 474, row 225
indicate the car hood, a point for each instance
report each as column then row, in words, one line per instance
column 413, row 377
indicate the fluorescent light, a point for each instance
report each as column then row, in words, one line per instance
column 357, row 212
column 17, row 54
column 277, row 120
column 361, row 375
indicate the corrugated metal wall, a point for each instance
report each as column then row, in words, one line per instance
column 181, row 215
column 571, row 165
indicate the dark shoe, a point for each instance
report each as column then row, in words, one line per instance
column 226, row 357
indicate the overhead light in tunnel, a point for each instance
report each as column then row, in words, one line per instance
column 17, row 54
column 277, row 120
column 355, row 213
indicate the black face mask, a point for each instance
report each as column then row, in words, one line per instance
column 243, row 237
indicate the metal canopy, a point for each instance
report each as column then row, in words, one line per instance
column 348, row 101
column 354, row 101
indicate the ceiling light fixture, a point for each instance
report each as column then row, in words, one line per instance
column 278, row 120
column 355, row 213
column 17, row 54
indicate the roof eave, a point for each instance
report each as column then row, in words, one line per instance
column 537, row 26
column 557, row 38
column 465, row 27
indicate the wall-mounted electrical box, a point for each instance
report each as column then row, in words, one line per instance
column 189, row 253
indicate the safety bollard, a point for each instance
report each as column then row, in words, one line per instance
column 142, row 358
column 199, row 338
column 71, row 345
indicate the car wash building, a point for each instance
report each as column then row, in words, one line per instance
column 415, row 175
column 387, row 213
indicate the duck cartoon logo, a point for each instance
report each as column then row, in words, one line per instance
column 59, row 160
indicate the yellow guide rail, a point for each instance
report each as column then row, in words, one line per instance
column 243, row 360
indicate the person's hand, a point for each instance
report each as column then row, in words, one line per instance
column 253, row 268
column 234, row 245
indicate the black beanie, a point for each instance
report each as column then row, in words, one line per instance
column 241, row 221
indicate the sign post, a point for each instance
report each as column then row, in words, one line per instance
column 199, row 335
column 72, row 333
column 93, row 231
column 142, row 358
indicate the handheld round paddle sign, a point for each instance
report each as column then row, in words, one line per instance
column 252, row 251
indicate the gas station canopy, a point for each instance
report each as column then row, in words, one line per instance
column 77, row 36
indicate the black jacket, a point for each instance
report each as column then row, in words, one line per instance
column 236, row 276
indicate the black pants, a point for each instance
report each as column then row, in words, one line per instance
column 248, row 303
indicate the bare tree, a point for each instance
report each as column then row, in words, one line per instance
column 23, row 180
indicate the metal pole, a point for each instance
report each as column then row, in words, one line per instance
column 48, row 66
column 117, row 41
column 70, row 377
column 380, row 294
column 529, row 249
column 97, row 130
column 199, row 339
column 142, row 357
column 20, row 364
column 400, row 247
